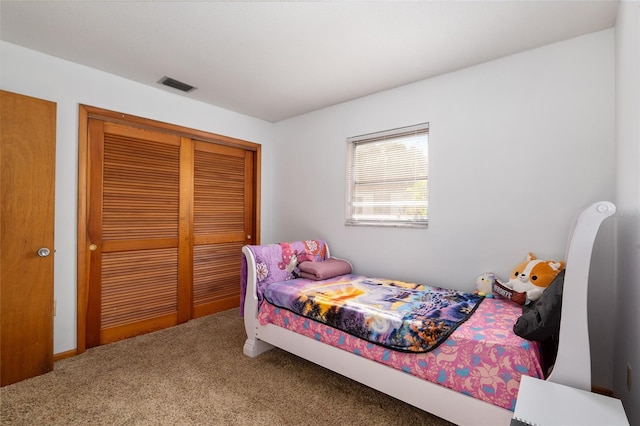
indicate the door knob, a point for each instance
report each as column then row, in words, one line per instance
column 92, row 247
column 249, row 237
column 44, row 252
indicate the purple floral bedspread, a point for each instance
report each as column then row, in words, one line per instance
column 402, row 316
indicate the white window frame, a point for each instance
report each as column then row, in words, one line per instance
column 395, row 219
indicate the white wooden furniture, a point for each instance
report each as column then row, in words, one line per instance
column 546, row 403
column 573, row 366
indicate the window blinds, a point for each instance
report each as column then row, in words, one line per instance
column 387, row 176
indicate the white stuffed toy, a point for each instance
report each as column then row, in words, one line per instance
column 484, row 284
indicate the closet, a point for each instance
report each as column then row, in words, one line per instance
column 163, row 214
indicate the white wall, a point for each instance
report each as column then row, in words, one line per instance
column 34, row 74
column 627, row 339
column 518, row 146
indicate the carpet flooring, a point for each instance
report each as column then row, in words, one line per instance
column 196, row 374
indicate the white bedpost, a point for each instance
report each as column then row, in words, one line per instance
column 573, row 361
column 252, row 346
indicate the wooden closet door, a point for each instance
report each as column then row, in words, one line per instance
column 135, row 237
column 222, row 224
column 27, row 178
column 163, row 212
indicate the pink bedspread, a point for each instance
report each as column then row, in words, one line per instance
column 483, row 358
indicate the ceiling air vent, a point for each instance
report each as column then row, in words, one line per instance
column 168, row 81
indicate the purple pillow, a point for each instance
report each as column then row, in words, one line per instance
column 325, row 269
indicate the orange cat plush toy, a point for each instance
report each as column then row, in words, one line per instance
column 533, row 276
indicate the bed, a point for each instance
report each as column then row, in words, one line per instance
column 469, row 376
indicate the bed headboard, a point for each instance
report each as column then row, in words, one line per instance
column 573, row 361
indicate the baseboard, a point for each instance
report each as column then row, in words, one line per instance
column 63, row 355
column 601, row 390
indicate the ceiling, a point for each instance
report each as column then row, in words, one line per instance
column 275, row 60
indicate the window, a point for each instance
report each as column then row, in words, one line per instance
column 387, row 176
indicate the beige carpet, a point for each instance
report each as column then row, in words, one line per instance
column 196, row 374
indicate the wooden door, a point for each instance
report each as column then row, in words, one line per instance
column 27, row 159
column 133, row 232
column 222, row 224
column 163, row 212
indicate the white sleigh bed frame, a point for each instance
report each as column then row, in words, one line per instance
column 572, row 366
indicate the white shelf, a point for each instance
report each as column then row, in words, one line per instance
column 544, row 403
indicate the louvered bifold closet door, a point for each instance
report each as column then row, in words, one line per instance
column 222, row 224
column 134, row 228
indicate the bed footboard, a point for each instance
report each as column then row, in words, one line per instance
column 252, row 346
column 276, row 263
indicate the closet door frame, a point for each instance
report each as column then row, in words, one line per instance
column 84, row 197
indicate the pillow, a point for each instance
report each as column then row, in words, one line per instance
column 326, row 269
column 541, row 320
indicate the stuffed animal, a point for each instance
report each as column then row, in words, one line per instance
column 533, row 276
column 484, row 284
